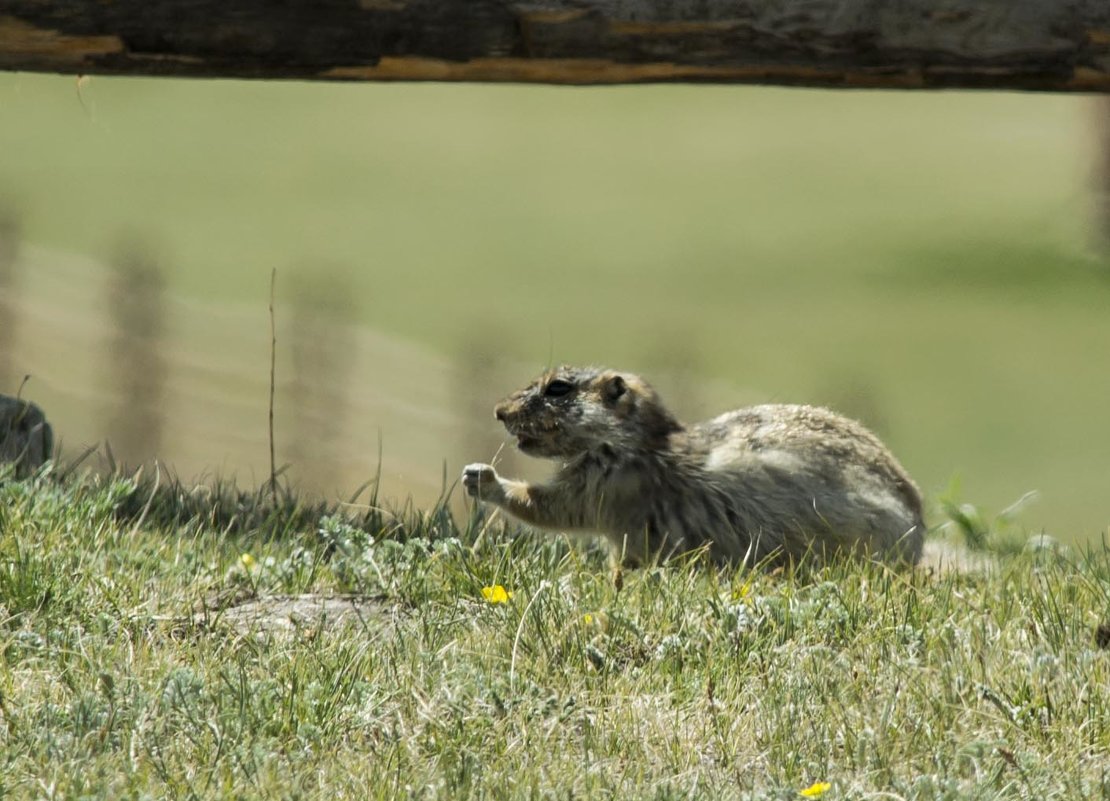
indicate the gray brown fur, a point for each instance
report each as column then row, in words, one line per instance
column 767, row 483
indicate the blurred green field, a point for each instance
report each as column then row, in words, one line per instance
column 922, row 261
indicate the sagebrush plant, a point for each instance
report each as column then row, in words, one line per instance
column 980, row 531
column 517, row 666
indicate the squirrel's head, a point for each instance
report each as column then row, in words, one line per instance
column 570, row 410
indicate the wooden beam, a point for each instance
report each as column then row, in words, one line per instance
column 1049, row 45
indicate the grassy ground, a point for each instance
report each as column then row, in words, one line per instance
column 922, row 261
column 676, row 682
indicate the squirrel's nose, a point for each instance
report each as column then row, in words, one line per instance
column 500, row 412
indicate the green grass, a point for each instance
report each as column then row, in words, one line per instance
column 921, row 260
column 681, row 681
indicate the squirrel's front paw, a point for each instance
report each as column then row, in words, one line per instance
column 480, row 481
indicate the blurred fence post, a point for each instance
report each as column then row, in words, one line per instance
column 855, row 394
column 10, row 236
column 479, row 383
column 137, row 307
column 678, row 364
column 1101, row 177
column 322, row 347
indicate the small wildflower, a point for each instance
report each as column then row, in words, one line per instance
column 598, row 621
column 815, row 790
column 247, row 560
column 496, row 594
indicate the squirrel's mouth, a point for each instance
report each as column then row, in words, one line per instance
column 526, row 442
column 532, row 437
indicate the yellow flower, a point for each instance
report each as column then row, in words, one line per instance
column 595, row 621
column 496, row 594
column 247, row 560
column 815, row 790
column 742, row 593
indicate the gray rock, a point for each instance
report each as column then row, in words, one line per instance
column 26, row 439
column 308, row 614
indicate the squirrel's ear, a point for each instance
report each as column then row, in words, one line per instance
column 614, row 388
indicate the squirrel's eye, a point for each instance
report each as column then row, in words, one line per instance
column 557, row 389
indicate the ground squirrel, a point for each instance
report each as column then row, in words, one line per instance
column 764, row 484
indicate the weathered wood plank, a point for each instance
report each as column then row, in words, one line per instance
column 1055, row 45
